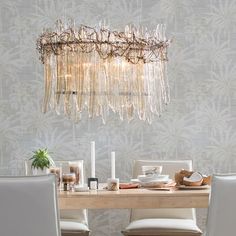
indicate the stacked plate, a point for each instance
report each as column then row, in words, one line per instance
column 152, row 180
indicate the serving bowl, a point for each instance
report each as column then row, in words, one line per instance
column 151, row 170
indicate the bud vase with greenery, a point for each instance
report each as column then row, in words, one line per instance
column 41, row 162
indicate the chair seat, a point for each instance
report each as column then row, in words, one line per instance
column 73, row 228
column 163, row 227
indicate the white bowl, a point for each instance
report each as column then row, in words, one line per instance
column 149, row 178
column 151, row 170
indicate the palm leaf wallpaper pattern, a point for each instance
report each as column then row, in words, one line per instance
column 199, row 123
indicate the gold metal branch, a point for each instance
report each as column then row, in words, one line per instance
column 133, row 44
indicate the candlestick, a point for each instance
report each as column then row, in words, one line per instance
column 93, row 159
column 93, row 181
column 82, row 174
column 113, row 165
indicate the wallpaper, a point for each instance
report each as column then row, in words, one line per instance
column 198, row 124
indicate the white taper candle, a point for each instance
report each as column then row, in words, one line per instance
column 92, row 159
column 113, row 165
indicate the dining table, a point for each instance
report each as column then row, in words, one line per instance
column 134, row 198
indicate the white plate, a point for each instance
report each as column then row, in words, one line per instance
column 155, row 183
column 152, row 184
column 152, row 181
column 135, row 181
column 145, row 178
column 193, row 187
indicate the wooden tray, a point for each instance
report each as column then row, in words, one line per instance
column 184, row 187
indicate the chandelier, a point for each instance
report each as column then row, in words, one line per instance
column 99, row 71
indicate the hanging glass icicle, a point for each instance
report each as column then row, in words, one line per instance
column 99, row 70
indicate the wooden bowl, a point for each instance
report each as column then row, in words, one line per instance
column 190, row 183
column 206, row 180
column 180, row 176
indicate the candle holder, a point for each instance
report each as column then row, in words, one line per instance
column 68, row 181
column 113, row 184
column 57, row 172
column 93, row 183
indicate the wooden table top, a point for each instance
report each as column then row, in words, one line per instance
column 134, row 198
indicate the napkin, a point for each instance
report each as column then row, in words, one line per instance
column 129, row 185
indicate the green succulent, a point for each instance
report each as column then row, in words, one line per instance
column 41, row 159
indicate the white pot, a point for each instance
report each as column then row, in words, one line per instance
column 39, row 171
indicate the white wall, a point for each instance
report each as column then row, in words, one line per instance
column 199, row 123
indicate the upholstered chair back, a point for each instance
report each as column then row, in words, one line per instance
column 28, row 206
column 169, row 168
column 222, row 210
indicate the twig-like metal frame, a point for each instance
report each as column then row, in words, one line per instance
column 129, row 44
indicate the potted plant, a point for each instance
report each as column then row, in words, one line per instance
column 41, row 162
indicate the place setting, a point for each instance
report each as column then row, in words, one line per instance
column 153, row 179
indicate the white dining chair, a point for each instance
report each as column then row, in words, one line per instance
column 221, row 217
column 28, row 206
column 72, row 222
column 162, row 222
